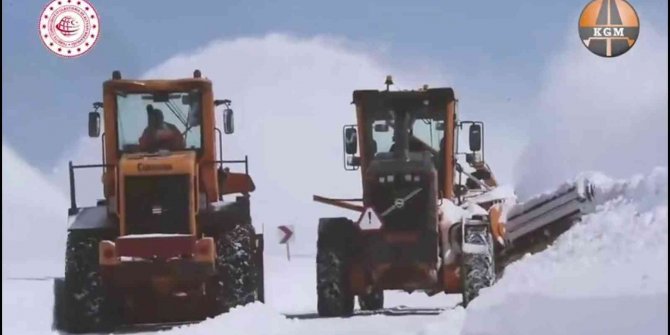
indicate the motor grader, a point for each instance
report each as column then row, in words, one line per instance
column 172, row 240
column 430, row 218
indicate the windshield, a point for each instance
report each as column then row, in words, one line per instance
column 423, row 130
column 159, row 121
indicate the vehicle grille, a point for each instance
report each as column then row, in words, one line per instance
column 415, row 212
column 157, row 204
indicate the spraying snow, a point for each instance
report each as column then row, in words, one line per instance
column 591, row 114
column 34, row 220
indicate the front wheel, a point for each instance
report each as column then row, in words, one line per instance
column 372, row 301
column 235, row 281
column 87, row 307
column 478, row 265
column 334, row 294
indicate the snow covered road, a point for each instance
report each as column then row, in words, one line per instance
column 607, row 275
column 290, row 308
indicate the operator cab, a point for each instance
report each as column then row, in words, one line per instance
column 405, row 133
column 409, row 127
column 149, row 122
column 158, row 116
column 402, row 132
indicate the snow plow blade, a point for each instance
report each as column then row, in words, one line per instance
column 534, row 224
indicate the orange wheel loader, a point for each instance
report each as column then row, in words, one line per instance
column 172, row 240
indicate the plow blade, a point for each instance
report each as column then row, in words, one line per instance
column 535, row 223
column 59, row 321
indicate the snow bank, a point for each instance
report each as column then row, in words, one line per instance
column 537, row 314
column 608, row 274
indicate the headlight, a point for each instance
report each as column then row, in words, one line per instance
column 409, row 177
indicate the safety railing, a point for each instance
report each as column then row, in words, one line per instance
column 73, row 196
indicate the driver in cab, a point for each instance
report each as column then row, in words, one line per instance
column 160, row 135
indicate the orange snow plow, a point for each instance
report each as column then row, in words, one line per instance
column 432, row 217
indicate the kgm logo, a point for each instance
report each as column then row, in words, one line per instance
column 609, row 28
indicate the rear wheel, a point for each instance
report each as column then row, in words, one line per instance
column 372, row 301
column 234, row 283
column 478, row 265
column 332, row 265
column 86, row 305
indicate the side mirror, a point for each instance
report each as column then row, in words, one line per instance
column 228, row 121
column 475, row 137
column 350, row 141
column 93, row 124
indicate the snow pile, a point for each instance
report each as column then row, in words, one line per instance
column 608, row 274
column 452, row 212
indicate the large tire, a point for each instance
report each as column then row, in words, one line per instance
column 235, row 281
column 477, row 268
column 372, row 302
column 334, row 295
column 87, row 306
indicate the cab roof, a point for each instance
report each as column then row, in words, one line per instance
column 432, row 97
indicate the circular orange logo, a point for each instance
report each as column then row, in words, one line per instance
column 69, row 28
column 609, row 28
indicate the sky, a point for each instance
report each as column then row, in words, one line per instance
column 551, row 108
column 499, row 47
